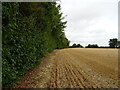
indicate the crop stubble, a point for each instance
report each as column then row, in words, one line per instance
column 75, row 68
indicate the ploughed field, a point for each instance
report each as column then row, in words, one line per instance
column 75, row 68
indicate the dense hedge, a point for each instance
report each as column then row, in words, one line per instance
column 29, row 32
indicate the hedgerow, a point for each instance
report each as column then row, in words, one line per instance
column 29, row 32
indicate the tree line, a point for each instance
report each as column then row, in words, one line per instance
column 80, row 46
column 30, row 31
column 113, row 43
column 76, row 46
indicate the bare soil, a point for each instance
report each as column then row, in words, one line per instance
column 74, row 68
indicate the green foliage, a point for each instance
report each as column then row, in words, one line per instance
column 113, row 43
column 92, row 46
column 118, row 44
column 76, row 46
column 30, row 31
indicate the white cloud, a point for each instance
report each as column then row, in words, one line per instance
column 91, row 21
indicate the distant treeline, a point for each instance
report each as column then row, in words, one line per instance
column 76, row 46
column 92, row 46
column 80, row 46
column 112, row 44
column 29, row 32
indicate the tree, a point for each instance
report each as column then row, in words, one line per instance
column 118, row 44
column 92, row 46
column 113, row 43
column 76, row 46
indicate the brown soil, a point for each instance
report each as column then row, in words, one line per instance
column 74, row 68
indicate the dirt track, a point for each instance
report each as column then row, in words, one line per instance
column 75, row 68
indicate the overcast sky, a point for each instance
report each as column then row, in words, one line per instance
column 90, row 21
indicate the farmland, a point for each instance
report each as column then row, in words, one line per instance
column 75, row 68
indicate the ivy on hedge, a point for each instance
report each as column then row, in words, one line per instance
column 29, row 32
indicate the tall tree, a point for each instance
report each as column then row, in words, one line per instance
column 113, row 42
